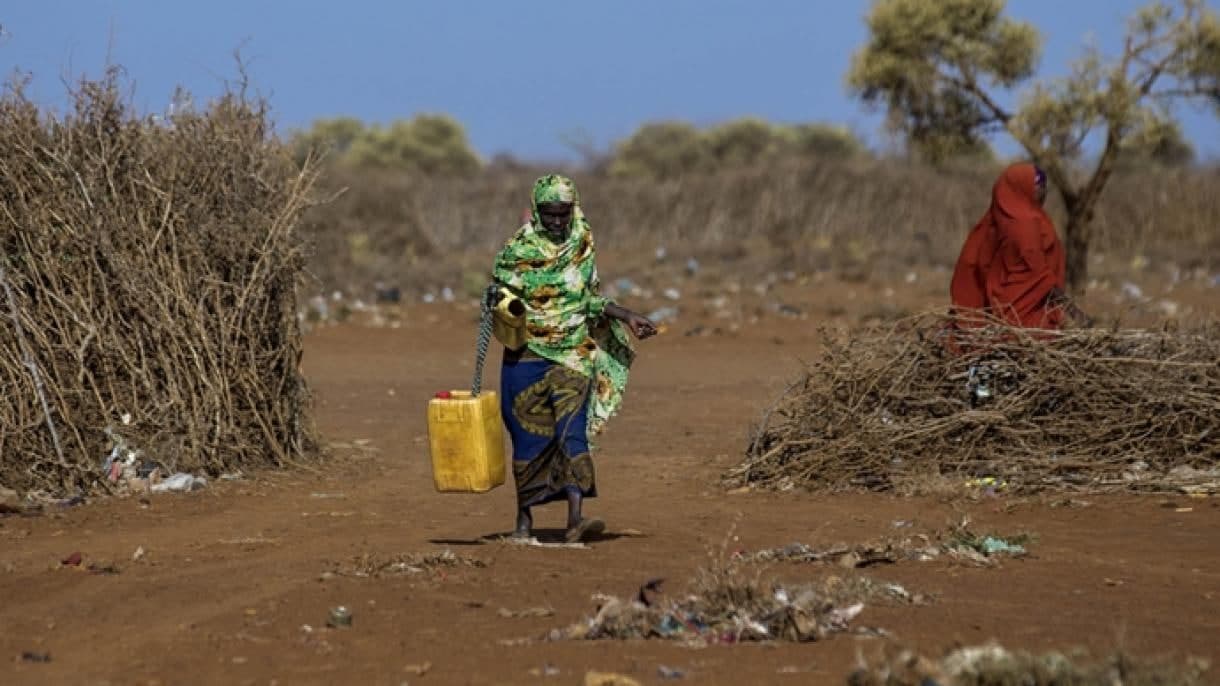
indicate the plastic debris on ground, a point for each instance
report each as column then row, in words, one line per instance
column 958, row 543
column 374, row 565
column 993, row 664
column 663, row 314
column 533, row 542
column 179, row 483
column 669, row 673
column 527, row 612
column 729, row 606
column 609, row 679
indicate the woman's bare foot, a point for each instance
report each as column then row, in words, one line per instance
column 584, row 529
column 525, row 522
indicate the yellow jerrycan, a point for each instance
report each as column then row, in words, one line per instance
column 466, row 441
column 465, row 434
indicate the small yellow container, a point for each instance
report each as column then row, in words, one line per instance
column 466, row 441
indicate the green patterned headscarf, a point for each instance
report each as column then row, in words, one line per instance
column 564, row 307
column 555, row 188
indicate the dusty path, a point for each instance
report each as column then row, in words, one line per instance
column 231, row 574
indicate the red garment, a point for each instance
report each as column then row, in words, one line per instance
column 1012, row 258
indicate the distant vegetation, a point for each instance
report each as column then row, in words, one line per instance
column 438, row 145
column 671, row 149
column 427, row 143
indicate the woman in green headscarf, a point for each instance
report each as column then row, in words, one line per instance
column 559, row 389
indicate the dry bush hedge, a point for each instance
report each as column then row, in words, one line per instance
column 857, row 216
column 892, row 407
column 150, row 270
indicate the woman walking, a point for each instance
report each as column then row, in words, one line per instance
column 559, row 389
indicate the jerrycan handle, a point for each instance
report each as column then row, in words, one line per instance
column 484, row 339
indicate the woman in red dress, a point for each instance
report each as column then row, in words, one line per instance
column 1012, row 264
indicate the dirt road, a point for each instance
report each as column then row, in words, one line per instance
column 230, row 576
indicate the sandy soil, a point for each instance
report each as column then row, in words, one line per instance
column 230, row 575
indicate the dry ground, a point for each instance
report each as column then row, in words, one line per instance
column 230, row 575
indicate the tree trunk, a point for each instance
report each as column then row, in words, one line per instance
column 1076, row 235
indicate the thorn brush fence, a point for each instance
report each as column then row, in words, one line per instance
column 149, row 276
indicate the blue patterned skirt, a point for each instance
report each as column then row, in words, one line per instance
column 546, row 409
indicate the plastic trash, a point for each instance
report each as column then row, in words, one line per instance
column 997, row 546
column 180, row 482
column 978, row 381
column 663, row 314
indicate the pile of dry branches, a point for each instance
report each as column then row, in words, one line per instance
column 888, row 407
column 148, row 275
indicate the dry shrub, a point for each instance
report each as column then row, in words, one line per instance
column 858, row 216
column 149, row 283
column 1088, row 408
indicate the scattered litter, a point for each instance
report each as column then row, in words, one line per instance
column 418, row 669
column 992, row 664
column 625, row 286
column 672, row 294
column 546, row 670
column 30, row 656
column 327, row 495
column 663, row 314
column 120, row 463
column 527, row 612
column 692, row 266
column 340, row 618
column 730, row 605
column 72, row 560
column 964, row 545
column 865, row 555
column 179, row 483
column 533, row 542
column 668, row 673
column 1132, row 291
column 372, row 565
column 609, row 679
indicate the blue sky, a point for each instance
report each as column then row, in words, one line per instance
column 519, row 74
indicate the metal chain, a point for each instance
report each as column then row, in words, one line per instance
column 484, row 340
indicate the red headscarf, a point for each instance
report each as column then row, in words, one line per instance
column 1012, row 258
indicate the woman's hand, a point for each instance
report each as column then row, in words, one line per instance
column 641, row 327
